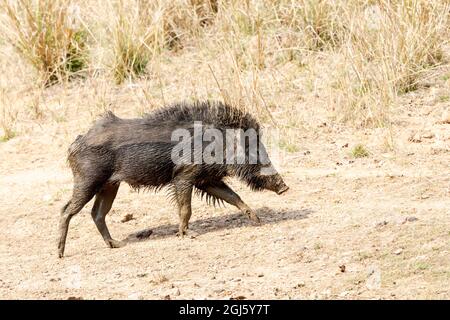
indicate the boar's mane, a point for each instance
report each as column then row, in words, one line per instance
column 209, row 112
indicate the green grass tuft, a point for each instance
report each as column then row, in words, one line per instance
column 359, row 151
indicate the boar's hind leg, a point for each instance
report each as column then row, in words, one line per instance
column 183, row 194
column 103, row 202
column 81, row 196
column 223, row 191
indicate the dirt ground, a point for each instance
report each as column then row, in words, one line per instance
column 374, row 227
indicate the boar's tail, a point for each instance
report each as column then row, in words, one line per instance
column 75, row 146
column 63, row 209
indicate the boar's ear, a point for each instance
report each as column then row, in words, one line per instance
column 268, row 170
column 263, row 156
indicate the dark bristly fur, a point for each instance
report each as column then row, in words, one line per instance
column 138, row 152
column 209, row 112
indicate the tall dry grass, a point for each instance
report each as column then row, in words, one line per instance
column 46, row 34
column 132, row 33
column 142, row 30
column 389, row 48
column 8, row 117
column 366, row 53
column 312, row 24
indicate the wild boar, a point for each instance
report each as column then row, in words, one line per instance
column 184, row 147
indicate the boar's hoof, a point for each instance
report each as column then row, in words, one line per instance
column 253, row 217
column 189, row 233
column 116, row 244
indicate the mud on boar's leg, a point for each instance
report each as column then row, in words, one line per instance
column 183, row 195
column 103, row 202
column 81, row 195
column 222, row 191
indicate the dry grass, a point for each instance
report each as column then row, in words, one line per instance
column 358, row 55
column 312, row 25
column 143, row 29
column 46, row 35
column 8, row 118
column 390, row 48
column 136, row 36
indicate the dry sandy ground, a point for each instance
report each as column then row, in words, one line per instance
column 376, row 227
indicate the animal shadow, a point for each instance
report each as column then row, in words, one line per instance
column 231, row 221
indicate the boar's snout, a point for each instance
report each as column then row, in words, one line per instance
column 282, row 189
column 276, row 184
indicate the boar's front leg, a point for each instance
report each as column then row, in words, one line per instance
column 222, row 191
column 103, row 202
column 183, row 195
